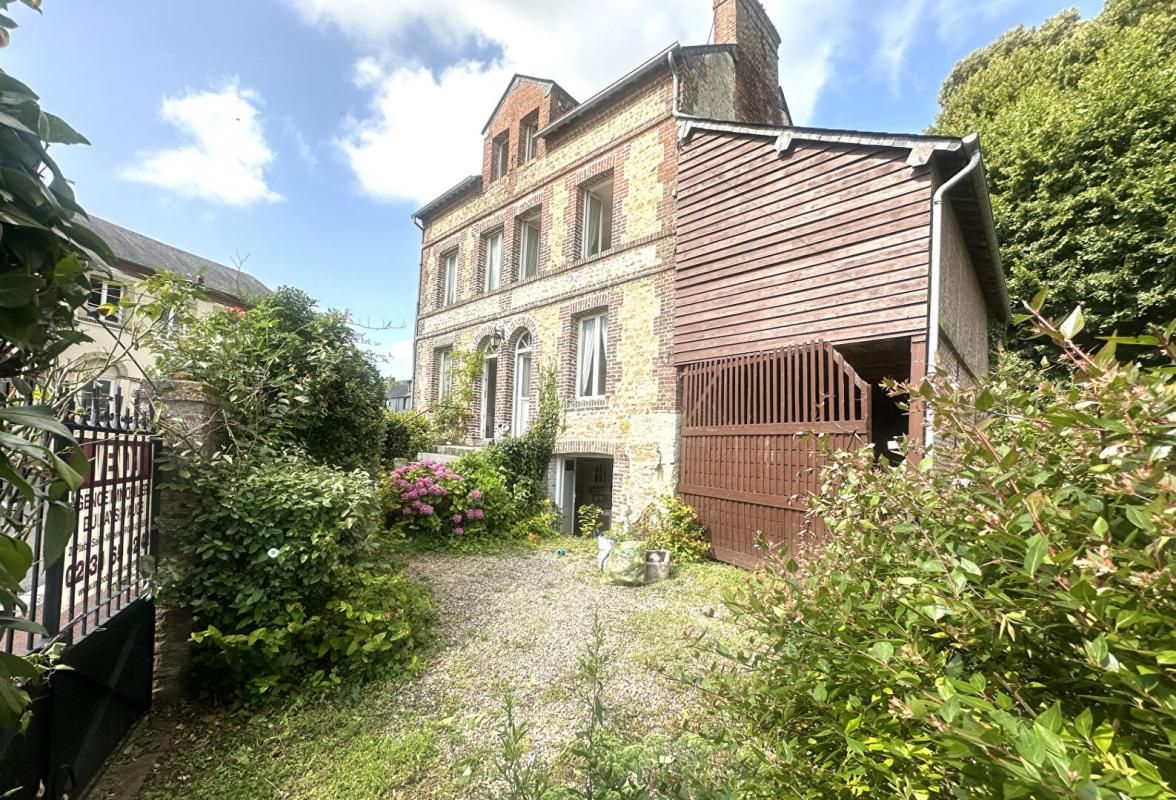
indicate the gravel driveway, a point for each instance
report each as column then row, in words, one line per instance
column 518, row 621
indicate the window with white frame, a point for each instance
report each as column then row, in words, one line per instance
column 529, row 246
column 597, row 222
column 449, row 278
column 521, row 416
column 501, row 154
column 104, row 296
column 444, row 373
column 592, row 356
column 530, row 140
column 493, row 261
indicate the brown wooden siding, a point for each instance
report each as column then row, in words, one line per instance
column 826, row 241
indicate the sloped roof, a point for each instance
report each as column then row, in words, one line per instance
column 462, row 187
column 518, row 78
column 155, row 256
column 399, row 389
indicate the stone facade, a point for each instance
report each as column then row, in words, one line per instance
column 627, row 135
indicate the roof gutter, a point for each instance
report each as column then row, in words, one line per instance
column 936, row 269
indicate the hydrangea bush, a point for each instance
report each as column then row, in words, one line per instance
column 432, row 500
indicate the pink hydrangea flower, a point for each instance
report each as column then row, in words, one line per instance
column 476, row 495
column 406, row 510
column 459, row 531
column 457, row 519
column 426, row 509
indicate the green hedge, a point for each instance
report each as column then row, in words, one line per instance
column 278, row 579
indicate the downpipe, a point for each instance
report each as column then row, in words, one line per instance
column 970, row 143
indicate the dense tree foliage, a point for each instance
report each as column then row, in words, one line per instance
column 1077, row 123
column 287, row 376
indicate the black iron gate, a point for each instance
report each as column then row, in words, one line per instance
column 93, row 601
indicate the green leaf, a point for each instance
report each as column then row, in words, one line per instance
column 883, row 651
column 15, row 558
column 1073, row 324
column 60, row 520
column 18, row 288
column 40, row 417
column 1035, row 551
column 1039, row 299
column 59, row 131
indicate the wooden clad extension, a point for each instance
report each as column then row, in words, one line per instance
column 750, row 456
column 826, row 240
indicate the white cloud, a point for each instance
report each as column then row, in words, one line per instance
column 421, row 132
column 226, row 156
column 397, row 360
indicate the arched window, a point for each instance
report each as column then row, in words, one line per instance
column 522, row 385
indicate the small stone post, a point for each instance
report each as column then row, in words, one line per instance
column 189, row 421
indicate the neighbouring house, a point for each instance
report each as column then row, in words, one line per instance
column 398, row 396
column 106, row 365
column 706, row 280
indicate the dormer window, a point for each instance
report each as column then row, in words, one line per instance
column 501, row 154
column 529, row 142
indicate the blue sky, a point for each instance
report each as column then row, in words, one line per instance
column 301, row 134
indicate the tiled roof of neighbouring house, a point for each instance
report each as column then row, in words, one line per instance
column 155, row 256
column 399, row 389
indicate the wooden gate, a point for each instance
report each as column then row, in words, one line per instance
column 750, row 455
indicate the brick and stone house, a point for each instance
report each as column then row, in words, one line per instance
column 667, row 223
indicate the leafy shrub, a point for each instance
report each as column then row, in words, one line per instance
column 288, row 378
column 526, row 457
column 669, row 524
column 272, row 572
column 453, row 413
column 542, row 523
column 588, row 518
column 434, row 501
column 406, row 434
column 997, row 622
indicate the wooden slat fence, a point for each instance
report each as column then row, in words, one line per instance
column 750, row 457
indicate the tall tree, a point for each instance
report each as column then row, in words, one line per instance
column 1078, row 126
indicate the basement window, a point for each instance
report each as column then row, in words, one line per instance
column 597, row 222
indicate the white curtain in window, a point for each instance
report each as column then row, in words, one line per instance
column 593, row 209
column 530, row 249
column 522, row 387
column 493, row 260
column 450, row 279
column 587, row 356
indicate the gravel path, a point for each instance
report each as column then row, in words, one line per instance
column 520, row 621
column 524, row 622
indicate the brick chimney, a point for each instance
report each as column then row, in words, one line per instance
column 745, row 24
